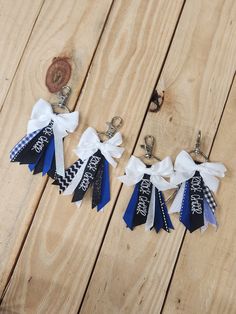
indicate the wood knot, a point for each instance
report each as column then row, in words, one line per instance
column 157, row 100
column 58, row 74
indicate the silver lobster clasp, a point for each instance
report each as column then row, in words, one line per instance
column 113, row 127
column 197, row 149
column 149, row 142
column 63, row 96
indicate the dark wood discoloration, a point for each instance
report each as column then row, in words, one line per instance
column 58, row 74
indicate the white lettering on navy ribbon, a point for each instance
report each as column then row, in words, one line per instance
column 93, row 163
column 48, row 130
column 145, row 188
column 92, row 166
column 86, row 180
column 196, row 199
column 39, row 145
column 142, row 205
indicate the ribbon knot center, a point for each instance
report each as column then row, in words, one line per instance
column 149, row 171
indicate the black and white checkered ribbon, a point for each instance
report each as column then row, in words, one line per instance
column 209, row 198
column 21, row 144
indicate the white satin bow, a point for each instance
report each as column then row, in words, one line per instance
column 185, row 168
column 41, row 116
column 90, row 143
column 136, row 169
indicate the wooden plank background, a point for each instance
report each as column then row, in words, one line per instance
column 55, row 258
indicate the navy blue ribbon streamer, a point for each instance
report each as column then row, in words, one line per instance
column 33, row 165
column 49, row 156
column 88, row 176
column 196, row 202
column 44, row 162
column 192, row 209
column 52, row 171
column 144, row 198
column 185, row 207
column 39, row 165
column 131, row 208
column 162, row 218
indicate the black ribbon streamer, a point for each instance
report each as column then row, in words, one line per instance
column 88, row 177
column 97, row 185
column 39, row 166
column 144, row 197
column 196, row 199
column 52, row 172
column 34, row 150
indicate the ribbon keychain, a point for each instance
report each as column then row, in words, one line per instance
column 197, row 181
column 42, row 147
column 95, row 151
column 147, row 204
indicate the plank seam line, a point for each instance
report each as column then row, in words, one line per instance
column 93, row 55
column 22, row 55
column 173, row 271
column 135, row 144
column 46, row 182
column 184, row 235
column 160, row 73
column 22, row 244
column 222, row 113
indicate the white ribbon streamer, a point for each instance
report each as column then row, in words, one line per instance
column 136, row 169
column 78, row 204
column 207, row 222
column 75, row 181
column 185, row 168
column 42, row 114
column 90, row 143
column 177, row 203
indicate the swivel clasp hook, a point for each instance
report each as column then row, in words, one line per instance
column 197, row 149
column 149, row 141
column 63, row 96
column 113, row 127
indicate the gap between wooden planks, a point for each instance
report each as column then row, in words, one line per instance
column 71, row 29
column 134, row 267
column 207, row 263
column 63, row 241
column 16, row 24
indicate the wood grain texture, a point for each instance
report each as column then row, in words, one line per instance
column 66, row 28
column 204, row 280
column 55, row 264
column 17, row 19
column 134, row 267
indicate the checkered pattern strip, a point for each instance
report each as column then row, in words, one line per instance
column 209, row 198
column 21, row 144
